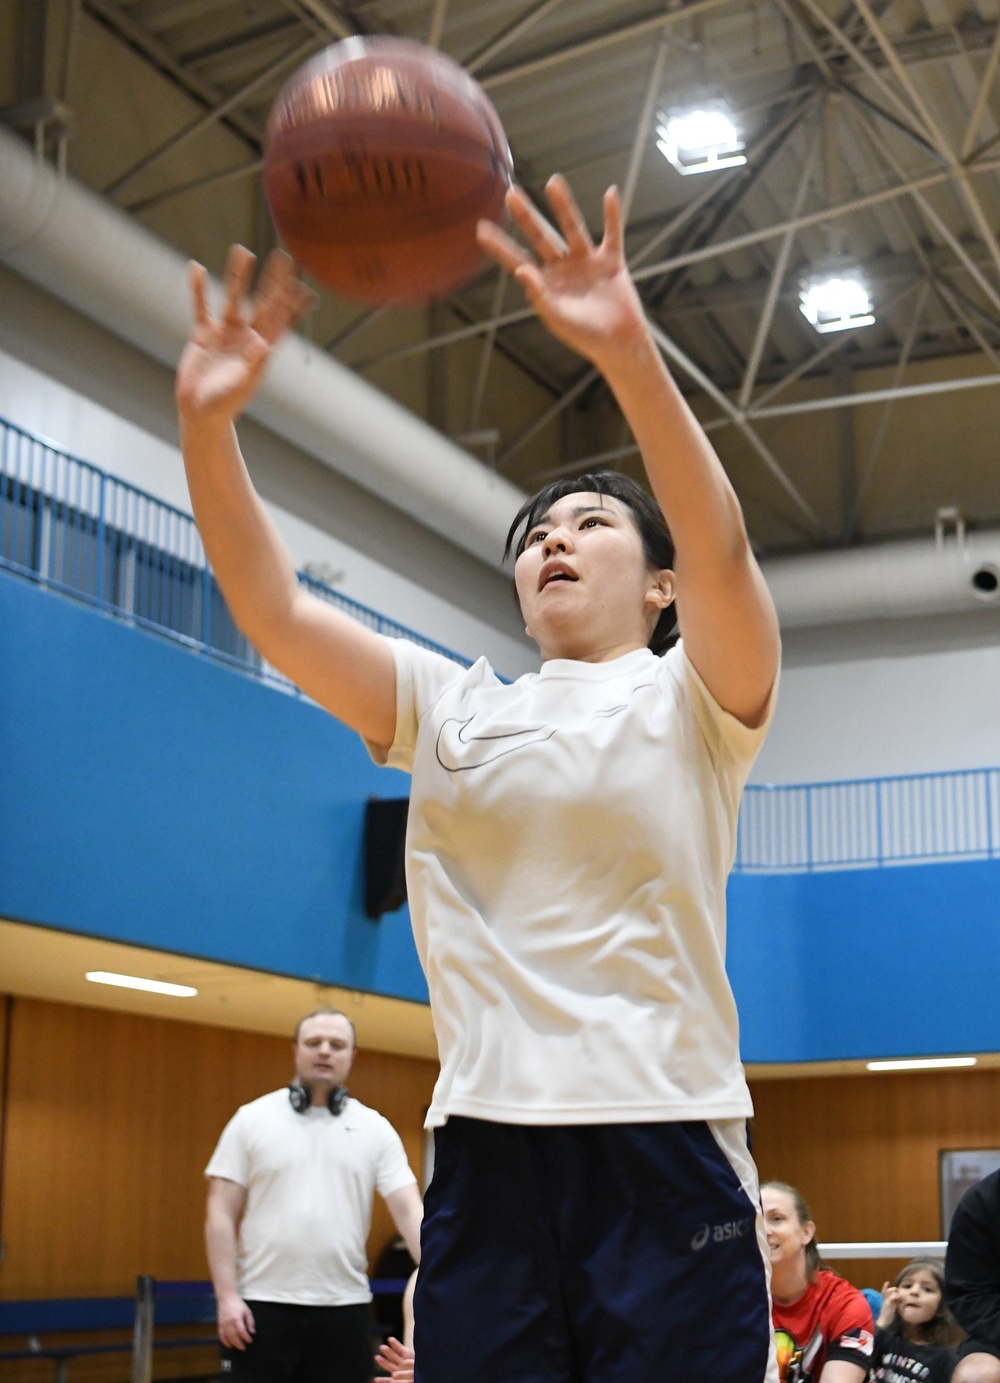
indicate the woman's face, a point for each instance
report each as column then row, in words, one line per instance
column 583, row 582
column 919, row 1297
column 787, row 1236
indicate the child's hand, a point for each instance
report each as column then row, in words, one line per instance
column 890, row 1300
column 397, row 1360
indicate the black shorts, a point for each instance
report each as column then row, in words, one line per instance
column 974, row 1346
column 304, row 1344
column 624, row 1253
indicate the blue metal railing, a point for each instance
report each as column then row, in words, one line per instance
column 73, row 528
column 867, row 822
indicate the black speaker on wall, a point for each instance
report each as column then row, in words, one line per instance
column 385, row 865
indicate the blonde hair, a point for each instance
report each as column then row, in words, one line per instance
column 804, row 1214
column 324, row 1013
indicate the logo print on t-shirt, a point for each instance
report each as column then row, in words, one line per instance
column 459, row 749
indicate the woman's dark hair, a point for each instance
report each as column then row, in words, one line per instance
column 942, row 1328
column 804, row 1215
column 657, row 543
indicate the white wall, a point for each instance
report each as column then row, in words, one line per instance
column 73, row 413
column 869, row 716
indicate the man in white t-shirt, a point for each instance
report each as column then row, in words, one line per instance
column 291, row 1184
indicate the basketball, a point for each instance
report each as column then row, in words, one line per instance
column 380, row 157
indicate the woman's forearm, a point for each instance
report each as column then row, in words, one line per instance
column 244, row 547
column 686, row 475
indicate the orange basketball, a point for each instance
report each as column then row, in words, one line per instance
column 380, row 157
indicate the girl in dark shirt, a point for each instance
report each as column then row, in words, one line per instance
column 915, row 1332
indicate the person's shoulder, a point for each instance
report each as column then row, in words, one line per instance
column 984, row 1196
column 264, row 1106
column 364, row 1116
column 837, row 1290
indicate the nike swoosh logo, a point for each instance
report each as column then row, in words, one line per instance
column 459, row 750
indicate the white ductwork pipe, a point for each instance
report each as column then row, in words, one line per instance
column 891, row 581
column 77, row 246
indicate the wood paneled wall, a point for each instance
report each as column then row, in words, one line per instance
column 111, row 1119
column 863, row 1150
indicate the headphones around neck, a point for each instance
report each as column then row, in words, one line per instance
column 300, row 1099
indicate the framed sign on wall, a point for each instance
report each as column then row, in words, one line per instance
column 959, row 1169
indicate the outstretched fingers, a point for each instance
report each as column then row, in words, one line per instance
column 568, row 215
column 281, row 298
column 499, row 246
column 543, row 238
column 614, row 229
column 198, row 281
column 236, row 283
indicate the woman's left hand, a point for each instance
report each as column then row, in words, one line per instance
column 581, row 291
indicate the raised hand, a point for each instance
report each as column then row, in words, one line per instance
column 397, row 1360
column 581, row 291
column 890, row 1304
column 223, row 361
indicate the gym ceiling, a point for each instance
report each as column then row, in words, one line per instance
column 871, row 132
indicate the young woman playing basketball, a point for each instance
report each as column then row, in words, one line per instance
column 568, row 844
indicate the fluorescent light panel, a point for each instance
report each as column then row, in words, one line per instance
column 179, row 991
column 922, row 1063
column 835, row 302
column 700, row 140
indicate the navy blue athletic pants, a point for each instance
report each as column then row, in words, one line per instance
column 621, row 1253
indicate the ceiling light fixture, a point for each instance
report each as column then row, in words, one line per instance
column 700, row 140
column 922, row 1063
column 179, row 991
column 836, row 299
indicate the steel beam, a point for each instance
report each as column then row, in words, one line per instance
column 241, row 170
column 932, row 127
column 777, row 278
column 596, row 43
column 704, row 252
column 942, row 228
column 906, row 391
column 543, row 420
column 510, row 35
column 677, row 357
column 157, row 52
column 982, row 97
column 641, row 140
column 436, row 28
column 213, row 116
column 486, row 354
column 883, row 422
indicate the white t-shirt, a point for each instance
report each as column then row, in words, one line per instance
column 310, row 1179
column 568, row 845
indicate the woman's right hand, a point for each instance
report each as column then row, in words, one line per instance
column 222, row 363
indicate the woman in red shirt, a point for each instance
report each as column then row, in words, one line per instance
column 823, row 1326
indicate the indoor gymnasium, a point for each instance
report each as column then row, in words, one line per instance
column 500, row 691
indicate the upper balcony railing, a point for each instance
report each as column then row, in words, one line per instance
column 925, row 817
column 72, row 528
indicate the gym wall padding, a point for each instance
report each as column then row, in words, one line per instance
column 150, row 795
column 111, row 1119
column 883, row 962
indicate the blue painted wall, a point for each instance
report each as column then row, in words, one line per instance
column 903, row 961
column 151, row 796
